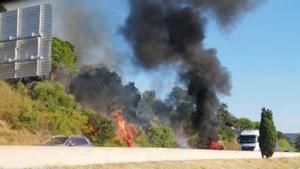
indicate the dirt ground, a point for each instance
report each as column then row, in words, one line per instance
column 284, row 163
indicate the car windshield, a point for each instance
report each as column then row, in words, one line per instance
column 247, row 139
column 56, row 140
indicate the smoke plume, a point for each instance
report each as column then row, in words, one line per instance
column 81, row 22
column 171, row 31
column 102, row 90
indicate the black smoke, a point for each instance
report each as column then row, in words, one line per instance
column 171, row 31
column 102, row 90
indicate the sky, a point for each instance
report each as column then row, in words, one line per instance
column 261, row 51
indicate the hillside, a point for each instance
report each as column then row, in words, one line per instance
column 10, row 136
column 292, row 136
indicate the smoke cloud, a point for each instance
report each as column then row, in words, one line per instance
column 102, row 90
column 171, row 31
column 81, row 22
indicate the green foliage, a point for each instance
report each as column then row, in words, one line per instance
column 2, row 8
column 227, row 121
column 285, row 145
column 161, row 136
column 53, row 96
column 226, row 133
column 101, row 130
column 52, row 111
column 141, row 139
column 226, row 118
column 297, row 143
column 256, row 125
column 63, row 54
column 268, row 136
column 246, row 124
column 183, row 108
column 59, row 112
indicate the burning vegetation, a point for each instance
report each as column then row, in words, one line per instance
column 124, row 130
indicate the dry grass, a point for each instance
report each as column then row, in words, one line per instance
column 232, row 145
column 286, row 163
column 9, row 136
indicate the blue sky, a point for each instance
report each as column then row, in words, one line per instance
column 261, row 51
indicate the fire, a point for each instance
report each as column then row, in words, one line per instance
column 125, row 131
column 214, row 145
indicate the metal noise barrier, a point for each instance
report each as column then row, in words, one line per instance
column 25, row 42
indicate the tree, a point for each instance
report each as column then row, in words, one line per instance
column 161, row 136
column 246, row 124
column 56, row 110
column 297, row 143
column 268, row 136
column 183, row 106
column 63, row 55
column 53, row 96
column 226, row 122
column 226, row 118
column 2, row 8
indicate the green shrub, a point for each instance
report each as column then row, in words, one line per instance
column 285, row 145
column 141, row 139
column 161, row 136
column 226, row 133
column 53, row 96
column 100, row 129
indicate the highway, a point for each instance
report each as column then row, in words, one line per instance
column 38, row 156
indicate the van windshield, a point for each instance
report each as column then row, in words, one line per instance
column 248, row 139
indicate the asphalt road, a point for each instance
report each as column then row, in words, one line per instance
column 35, row 156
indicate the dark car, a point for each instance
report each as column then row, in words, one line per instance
column 68, row 141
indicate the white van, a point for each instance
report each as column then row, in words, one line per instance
column 248, row 140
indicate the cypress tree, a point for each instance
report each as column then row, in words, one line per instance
column 268, row 135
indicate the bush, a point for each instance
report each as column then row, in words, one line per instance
column 227, row 133
column 53, row 96
column 246, row 124
column 100, row 130
column 161, row 136
column 285, row 145
column 141, row 139
column 268, row 136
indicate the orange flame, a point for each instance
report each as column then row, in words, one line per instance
column 214, row 145
column 125, row 131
